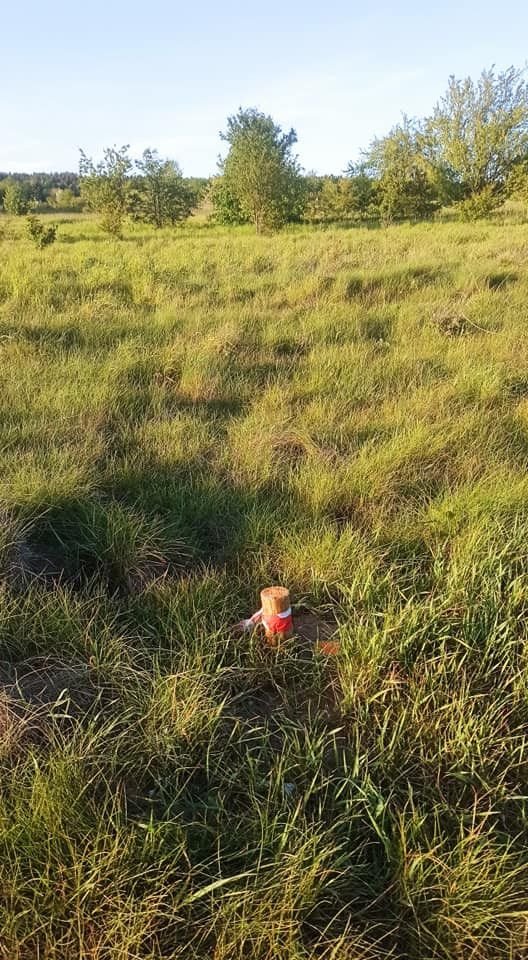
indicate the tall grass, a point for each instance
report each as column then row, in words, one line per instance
column 186, row 416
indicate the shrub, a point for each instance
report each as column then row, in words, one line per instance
column 479, row 205
column 16, row 199
column 106, row 187
column 406, row 185
column 162, row 197
column 226, row 208
column 41, row 235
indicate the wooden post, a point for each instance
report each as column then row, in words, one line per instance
column 275, row 601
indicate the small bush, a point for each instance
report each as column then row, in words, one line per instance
column 479, row 205
column 40, row 235
column 16, row 199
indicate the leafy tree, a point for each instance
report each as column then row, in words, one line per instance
column 406, row 178
column 16, row 198
column 64, row 198
column 106, row 187
column 227, row 209
column 479, row 131
column 197, row 187
column 260, row 175
column 162, row 196
column 314, row 208
column 329, row 199
column 364, row 192
column 517, row 185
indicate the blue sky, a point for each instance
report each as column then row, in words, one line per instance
column 166, row 74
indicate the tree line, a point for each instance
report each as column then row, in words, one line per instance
column 471, row 153
column 22, row 193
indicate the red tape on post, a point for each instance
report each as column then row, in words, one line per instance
column 277, row 623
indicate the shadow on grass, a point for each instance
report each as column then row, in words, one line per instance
column 59, row 336
column 392, row 285
column 151, row 521
column 500, row 279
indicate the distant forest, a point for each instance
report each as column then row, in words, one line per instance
column 40, row 185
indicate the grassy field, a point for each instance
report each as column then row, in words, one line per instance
column 186, row 417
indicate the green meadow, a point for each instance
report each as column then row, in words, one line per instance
column 191, row 414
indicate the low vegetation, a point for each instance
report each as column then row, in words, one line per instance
column 188, row 415
column 42, row 235
column 471, row 154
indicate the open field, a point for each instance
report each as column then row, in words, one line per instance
column 189, row 415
